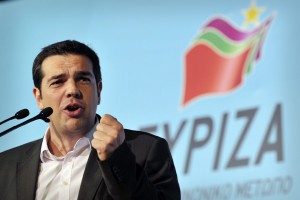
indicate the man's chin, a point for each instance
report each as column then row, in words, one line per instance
column 78, row 126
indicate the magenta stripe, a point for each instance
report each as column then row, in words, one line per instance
column 233, row 33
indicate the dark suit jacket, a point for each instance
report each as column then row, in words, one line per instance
column 141, row 168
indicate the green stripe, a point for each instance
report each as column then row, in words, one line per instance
column 224, row 45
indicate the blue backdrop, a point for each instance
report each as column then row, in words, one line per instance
column 236, row 144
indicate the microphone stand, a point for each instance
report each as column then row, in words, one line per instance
column 42, row 115
column 19, row 115
column 7, row 120
column 17, row 126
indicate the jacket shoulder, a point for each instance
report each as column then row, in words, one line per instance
column 16, row 152
column 132, row 135
column 143, row 145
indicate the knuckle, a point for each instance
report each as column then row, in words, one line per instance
column 95, row 144
column 107, row 117
column 97, row 135
column 119, row 126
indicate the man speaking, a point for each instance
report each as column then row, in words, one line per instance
column 82, row 155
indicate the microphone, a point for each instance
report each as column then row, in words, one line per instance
column 46, row 112
column 19, row 115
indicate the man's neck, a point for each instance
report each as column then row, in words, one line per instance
column 60, row 142
column 60, row 145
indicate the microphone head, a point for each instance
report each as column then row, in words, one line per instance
column 22, row 114
column 46, row 120
column 46, row 112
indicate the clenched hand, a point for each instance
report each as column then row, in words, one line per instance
column 109, row 135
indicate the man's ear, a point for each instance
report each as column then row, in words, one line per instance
column 99, row 91
column 38, row 97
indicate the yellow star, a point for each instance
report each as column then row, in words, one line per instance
column 252, row 14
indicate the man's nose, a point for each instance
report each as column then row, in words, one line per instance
column 73, row 90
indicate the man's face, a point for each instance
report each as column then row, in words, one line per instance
column 69, row 87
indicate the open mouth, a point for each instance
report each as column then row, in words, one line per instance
column 72, row 108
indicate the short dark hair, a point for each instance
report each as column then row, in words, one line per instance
column 63, row 48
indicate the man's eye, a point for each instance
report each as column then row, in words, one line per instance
column 85, row 80
column 56, row 82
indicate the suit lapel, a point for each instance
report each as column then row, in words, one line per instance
column 91, row 178
column 27, row 172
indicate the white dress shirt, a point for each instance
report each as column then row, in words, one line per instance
column 60, row 177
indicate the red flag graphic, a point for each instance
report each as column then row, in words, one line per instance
column 208, row 72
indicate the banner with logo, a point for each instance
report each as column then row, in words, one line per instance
column 219, row 80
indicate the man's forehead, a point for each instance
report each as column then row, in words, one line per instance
column 65, row 58
column 66, row 63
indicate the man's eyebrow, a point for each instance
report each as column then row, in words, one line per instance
column 79, row 73
column 84, row 73
column 56, row 77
